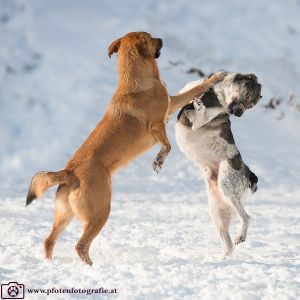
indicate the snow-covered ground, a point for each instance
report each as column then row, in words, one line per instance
column 55, row 83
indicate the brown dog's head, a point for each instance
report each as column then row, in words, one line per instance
column 137, row 44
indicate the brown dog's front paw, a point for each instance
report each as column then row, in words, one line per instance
column 219, row 76
column 211, row 81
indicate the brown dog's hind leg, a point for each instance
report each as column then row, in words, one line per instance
column 159, row 132
column 91, row 205
column 91, row 230
column 62, row 216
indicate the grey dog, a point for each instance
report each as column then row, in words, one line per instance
column 203, row 133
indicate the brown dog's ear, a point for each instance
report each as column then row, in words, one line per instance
column 114, row 47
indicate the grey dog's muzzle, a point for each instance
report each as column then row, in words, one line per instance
column 235, row 108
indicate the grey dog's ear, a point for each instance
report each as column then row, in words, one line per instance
column 198, row 115
column 195, row 118
column 201, row 116
column 114, row 47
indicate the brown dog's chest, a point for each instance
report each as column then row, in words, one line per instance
column 150, row 105
column 157, row 103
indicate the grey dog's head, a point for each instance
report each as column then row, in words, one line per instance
column 238, row 92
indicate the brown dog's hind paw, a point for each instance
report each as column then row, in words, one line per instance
column 82, row 252
column 48, row 247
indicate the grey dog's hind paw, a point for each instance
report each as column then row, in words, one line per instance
column 239, row 239
column 156, row 167
column 158, row 162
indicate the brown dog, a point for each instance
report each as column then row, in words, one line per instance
column 134, row 122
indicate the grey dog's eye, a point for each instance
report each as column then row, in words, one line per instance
column 248, row 95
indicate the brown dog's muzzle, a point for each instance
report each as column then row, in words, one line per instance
column 159, row 42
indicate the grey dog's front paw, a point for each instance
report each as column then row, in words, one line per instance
column 158, row 162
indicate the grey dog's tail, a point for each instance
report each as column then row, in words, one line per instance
column 253, row 179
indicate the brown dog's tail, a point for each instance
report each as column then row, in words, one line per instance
column 42, row 181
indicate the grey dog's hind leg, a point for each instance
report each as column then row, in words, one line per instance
column 244, row 218
column 233, row 185
column 221, row 218
column 220, row 212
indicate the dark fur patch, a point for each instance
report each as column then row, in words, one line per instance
column 210, row 99
column 253, row 178
column 253, row 181
column 250, row 77
column 226, row 133
column 218, row 122
column 182, row 118
column 188, row 106
column 60, row 187
column 236, row 162
column 240, row 77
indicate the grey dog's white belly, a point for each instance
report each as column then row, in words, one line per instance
column 204, row 146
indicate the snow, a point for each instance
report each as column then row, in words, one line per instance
column 55, row 82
